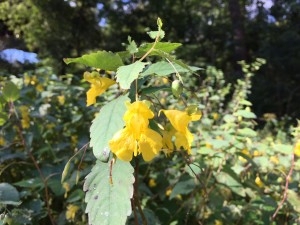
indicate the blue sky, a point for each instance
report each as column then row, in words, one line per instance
column 13, row 55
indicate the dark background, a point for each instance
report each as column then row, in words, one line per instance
column 213, row 32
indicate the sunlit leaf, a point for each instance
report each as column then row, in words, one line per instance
column 109, row 203
column 132, row 47
column 10, row 92
column 154, row 34
column 105, row 125
column 245, row 113
column 127, row 74
column 102, row 60
column 247, row 132
column 167, row 47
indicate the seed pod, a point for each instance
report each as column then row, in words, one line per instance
column 177, row 88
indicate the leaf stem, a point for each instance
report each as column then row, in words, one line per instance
column 153, row 46
column 136, row 192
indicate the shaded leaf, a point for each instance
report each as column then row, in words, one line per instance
column 101, row 60
column 105, row 125
column 127, row 74
column 149, row 90
column 9, row 194
column 231, row 182
column 184, row 186
column 165, row 68
column 106, row 202
column 3, row 118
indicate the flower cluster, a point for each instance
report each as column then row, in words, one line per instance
column 137, row 138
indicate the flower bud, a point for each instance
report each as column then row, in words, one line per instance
column 177, row 88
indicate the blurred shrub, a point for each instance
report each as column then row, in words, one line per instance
column 236, row 175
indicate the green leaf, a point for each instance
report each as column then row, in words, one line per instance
column 231, row 182
column 245, row 102
column 10, row 92
column 101, row 60
column 160, row 46
column 9, row 194
column 150, row 90
column 132, row 47
column 247, row 132
column 294, row 200
column 30, row 183
column 3, row 118
column 109, row 203
column 283, row 148
column 245, row 113
column 163, row 68
column 154, row 34
column 105, row 125
column 127, row 74
column 184, row 186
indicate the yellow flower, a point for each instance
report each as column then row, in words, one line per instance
column 246, row 152
column 67, row 188
column 136, row 138
column 180, row 121
column 297, row 148
column 274, row 159
column 2, row 141
column 152, row 183
column 215, row 116
column 256, row 153
column 71, row 211
column 61, row 99
column 168, row 191
column 258, row 182
column 218, row 222
column 208, row 145
column 25, row 121
column 98, row 86
column 167, row 135
column 39, row 88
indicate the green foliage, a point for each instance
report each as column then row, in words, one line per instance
column 237, row 173
column 127, row 74
column 105, row 125
column 108, row 192
column 101, row 60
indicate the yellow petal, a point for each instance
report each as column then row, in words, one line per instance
column 140, row 108
column 196, row 116
column 297, row 148
column 123, row 144
column 91, row 96
column 150, row 143
column 98, row 86
column 137, row 117
column 182, row 141
column 167, row 135
column 178, row 119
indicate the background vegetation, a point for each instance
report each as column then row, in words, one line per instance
column 243, row 154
